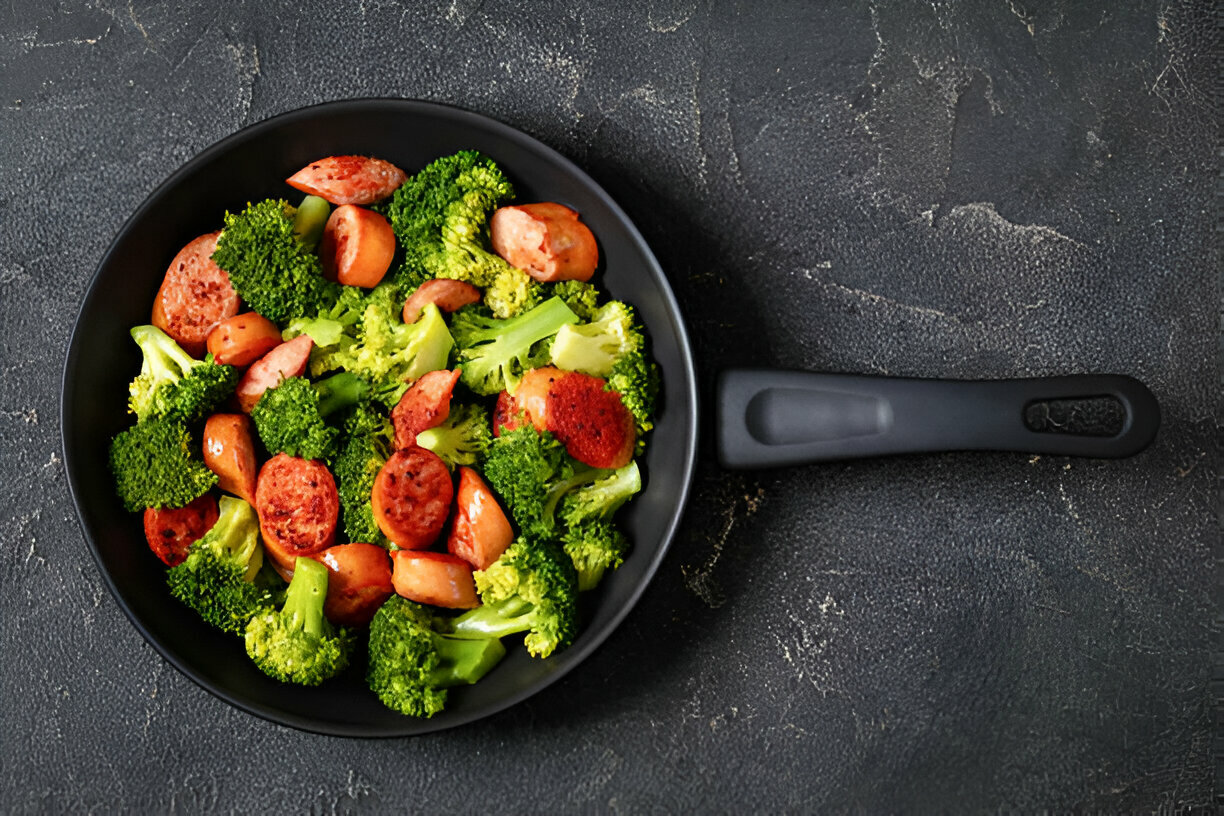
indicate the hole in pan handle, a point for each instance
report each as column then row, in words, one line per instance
column 771, row 418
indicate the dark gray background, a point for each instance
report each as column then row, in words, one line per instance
column 977, row 189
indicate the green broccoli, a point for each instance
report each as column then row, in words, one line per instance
column 441, row 218
column 591, row 540
column 335, row 327
column 218, row 579
column 291, row 416
column 411, row 663
column 462, row 439
column 385, row 350
column 172, row 383
column 523, row 467
column 581, row 297
column 494, row 354
column 365, row 445
column 532, row 588
column 636, row 379
column 153, row 465
column 309, row 221
column 269, row 267
column 296, row 643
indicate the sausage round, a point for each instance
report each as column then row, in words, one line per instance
column 171, row 531
column 412, row 497
column 298, row 506
column 195, row 296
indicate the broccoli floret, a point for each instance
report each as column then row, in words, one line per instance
column 593, row 348
column 218, row 577
column 591, row 540
column 441, row 218
column 297, row 644
column 411, row 664
column 531, row 588
column 365, row 446
column 462, row 439
column 494, row 353
column 335, row 327
column 153, row 465
column 636, row 379
column 523, row 467
column 291, row 416
column 594, row 547
column 172, row 383
column 581, row 297
column 385, row 350
column 267, row 265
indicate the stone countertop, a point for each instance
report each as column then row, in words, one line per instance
column 970, row 190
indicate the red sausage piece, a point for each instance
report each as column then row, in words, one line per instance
column 172, row 530
column 412, row 497
column 348, row 179
column 423, row 406
column 448, row 295
column 434, row 578
column 195, row 296
column 546, row 240
column 593, row 424
column 298, row 505
column 358, row 581
column 285, row 361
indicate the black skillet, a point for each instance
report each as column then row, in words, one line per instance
column 767, row 418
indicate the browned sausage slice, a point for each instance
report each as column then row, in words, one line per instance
column 423, row 406
column 171, row 531
column 195, row 296
column 546, row 240
column 298, row 505
column 412, row 497
column 448, row 295
column 285, row 361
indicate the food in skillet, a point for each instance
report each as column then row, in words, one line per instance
column 420, row 415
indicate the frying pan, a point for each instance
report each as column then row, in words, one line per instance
column 769, row 418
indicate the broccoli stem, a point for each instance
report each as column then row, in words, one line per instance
column 309, row 221
column 305, row 596
column 494, row 620
column 462, row 661
column 339, row 391
column 163, row 357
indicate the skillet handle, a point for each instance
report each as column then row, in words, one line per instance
column 769, row 418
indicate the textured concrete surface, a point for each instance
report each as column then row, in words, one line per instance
column 974, row 189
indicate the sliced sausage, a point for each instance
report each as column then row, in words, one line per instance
column 481, row 532
column 448, row 295
column 546, row 240
column 229, row 452
column 298, row 505
column 357, row 246
column 506, row 416
column 434, row 578
column 358, row 581
column 286, row 360
column 423, row 406
column 348, row 179
column 592, row 422
column 171, row 531
column 531, row 396
column 412, row 497
column 195, row 295
column 243, row 339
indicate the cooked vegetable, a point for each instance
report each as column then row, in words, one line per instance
column 462, row 439
column 494, row 354
column 522, row 467
column 296, row 643
column 173, row 384
column 591, row 539
column 532, row 588
column 269, row 267
column 365, row 444
column 309, row 221
column 441, row 218
column 290, row 418
column 153, row 466
column 411, row 663
column 218, row 577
